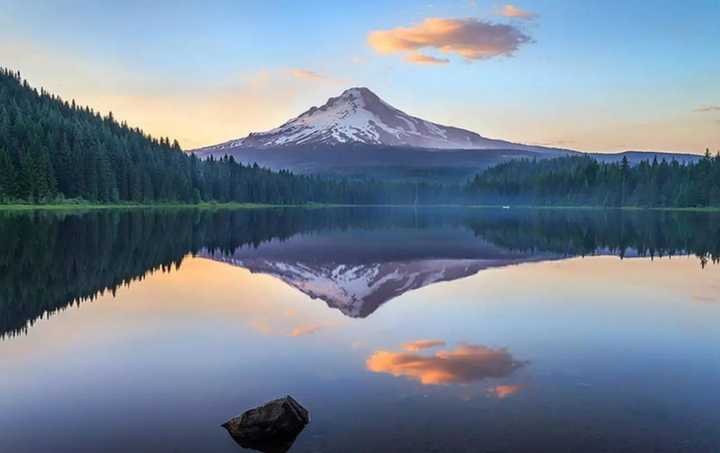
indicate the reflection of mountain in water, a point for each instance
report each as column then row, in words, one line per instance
column 357, row 271
column 355, row 258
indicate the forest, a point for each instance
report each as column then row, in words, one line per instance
column 583, row 181
column 53, row 150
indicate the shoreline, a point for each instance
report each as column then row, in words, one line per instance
column 238, row 206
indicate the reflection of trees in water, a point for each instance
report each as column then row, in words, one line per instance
column 49, row 261
column 618, row 232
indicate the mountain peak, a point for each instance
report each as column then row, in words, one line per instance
column 358, row 115
column 357, row 91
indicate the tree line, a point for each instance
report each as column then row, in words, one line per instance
column 582, row 180
column 53, row 150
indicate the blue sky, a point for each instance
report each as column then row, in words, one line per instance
column 594, row 75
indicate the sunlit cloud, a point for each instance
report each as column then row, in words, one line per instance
column 419, row 58
column 708, row 108
column 422, row 344
column 517, row 13
column 469, row 38
column 504, row 391
column 464, row 364
column 306, row 74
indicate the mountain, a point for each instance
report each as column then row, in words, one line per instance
column 359, row 116
column 357, row 133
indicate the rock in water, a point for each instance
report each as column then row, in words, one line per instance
column 271, row 427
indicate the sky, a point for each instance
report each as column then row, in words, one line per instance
column 594, row 75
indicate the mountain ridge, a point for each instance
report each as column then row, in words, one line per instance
column 360, row 116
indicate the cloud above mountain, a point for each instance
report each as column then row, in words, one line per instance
column 513, row 11
column 416, row 57
column 469, row 38
column 306, row 74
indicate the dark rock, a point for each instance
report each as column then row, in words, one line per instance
column 271, row 427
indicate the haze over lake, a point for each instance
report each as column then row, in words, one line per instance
column 399, row 329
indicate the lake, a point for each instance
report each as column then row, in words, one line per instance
column 399, row 329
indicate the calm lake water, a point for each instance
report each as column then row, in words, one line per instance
column 399, row 329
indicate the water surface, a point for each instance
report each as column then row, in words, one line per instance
column 399, row 329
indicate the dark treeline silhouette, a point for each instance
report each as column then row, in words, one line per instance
column 584, row 180
column 50, row 261
column 52, row 150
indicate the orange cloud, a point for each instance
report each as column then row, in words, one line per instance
column 469, row 38
column 464, row 364
column 306, row 74
column 419, row 58
column 515, row 12
column 422, row 344
column 503, row 391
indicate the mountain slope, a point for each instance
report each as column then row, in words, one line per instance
column 359, row 116
column 357, row 134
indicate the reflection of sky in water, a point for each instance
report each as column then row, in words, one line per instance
column 579, row 353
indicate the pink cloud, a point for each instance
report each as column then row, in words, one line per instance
column 422, row 344
column 517, row 13
column 469, row 38
column 306, row 74
column 419, row 58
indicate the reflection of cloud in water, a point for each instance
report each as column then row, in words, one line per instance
column 706, row 299
column 309, row 329
column 464, row 364
column 418, row 345
column 503, row 391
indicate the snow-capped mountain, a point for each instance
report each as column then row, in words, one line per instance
column 359, row 134
column 359, row 116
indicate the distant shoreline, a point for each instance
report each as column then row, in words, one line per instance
column 238, row 206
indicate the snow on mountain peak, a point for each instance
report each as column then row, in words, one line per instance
column 358, row 115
